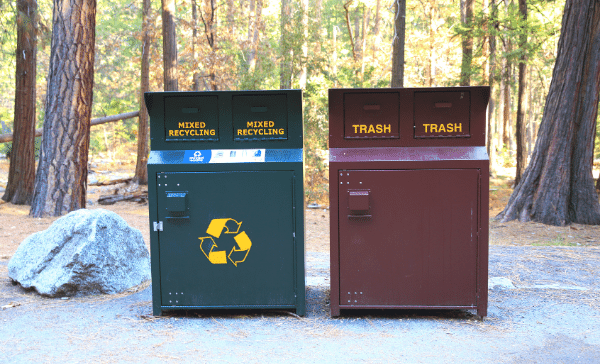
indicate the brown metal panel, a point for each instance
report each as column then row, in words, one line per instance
column 419, row 247
column 442, row 114
column 479, row 97
column 371, row 115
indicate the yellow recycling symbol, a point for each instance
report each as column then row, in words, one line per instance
column 209, row 247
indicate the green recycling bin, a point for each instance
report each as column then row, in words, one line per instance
column 226, row 200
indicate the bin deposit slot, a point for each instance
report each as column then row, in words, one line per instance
column 359, row 204
column 176, row 203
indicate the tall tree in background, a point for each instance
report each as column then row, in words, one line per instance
column 467, row 7
column 21, row 174
column 492, row 29
column 209, row 19
column 398, row 43
column 169, row 46
column 521, row 98
column 285, row 62
column 302, row 78
column 61, row 178
column 141, row 171
column 557, row 187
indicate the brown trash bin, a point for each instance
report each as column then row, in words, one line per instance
column 409, row 195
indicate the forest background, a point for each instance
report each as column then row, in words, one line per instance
column 312, row 45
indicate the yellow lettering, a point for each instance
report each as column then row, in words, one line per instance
column 212, row 131
column 426, row 125
column 355, row 128
column 458, row 127
column 387, row 128
column 371, row 129
column 433, row 128
column 449, row 128
column 170, row 132
column 379, row 128
column 181, row 125
column 281, row 131
column 441, row 128
column 363, row 128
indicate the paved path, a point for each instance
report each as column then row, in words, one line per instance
column 544, row 307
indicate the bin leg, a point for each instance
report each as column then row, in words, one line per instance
column 156, row 310
column 334, row 310
column 482, row 311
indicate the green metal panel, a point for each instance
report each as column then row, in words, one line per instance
column 235, row 245
column 191, row 118
column 260, row 117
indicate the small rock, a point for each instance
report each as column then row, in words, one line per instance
column 500, row 283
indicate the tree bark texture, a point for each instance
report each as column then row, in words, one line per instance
column 61, row 179
column 506, row 74
column 253, row 35
column 521, row 96
column 467, row 45
column 141, row 170
column 398, row 43
column 285, row 64
column 557, row 187
column 209, row 18
column 491, row 148
column 195, row 45
column 21, row 173
column 169, row 46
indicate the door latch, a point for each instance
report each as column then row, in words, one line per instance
column 158, row 226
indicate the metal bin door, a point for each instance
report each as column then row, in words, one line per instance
column 227, row 238
column 417, row 243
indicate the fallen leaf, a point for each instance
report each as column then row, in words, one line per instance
column 11, row 305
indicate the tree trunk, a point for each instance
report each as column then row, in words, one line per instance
column 522, row 99
column 506, row 100
column 377, row 18
column 467, row 45
column 169, row 46
column 21, row 173
column 141, row 170
column 363, row 49
column 253, row 34
column 303, row 77
column 61, row 179
column 195, row 45
column 557, row 187
column 492, row 81
column 352, row 36
column 209, row 19
column 285, row 64
column 398, row 43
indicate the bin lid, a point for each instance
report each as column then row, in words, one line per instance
column 213, row 120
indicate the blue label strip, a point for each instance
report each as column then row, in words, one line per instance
column 225, row 156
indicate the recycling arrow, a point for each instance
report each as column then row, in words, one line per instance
column 209, row 246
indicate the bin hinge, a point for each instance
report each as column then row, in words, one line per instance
column 158, row 226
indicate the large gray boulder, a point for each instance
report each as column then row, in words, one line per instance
column 84, row 252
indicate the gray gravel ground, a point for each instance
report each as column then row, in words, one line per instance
column 544, row 307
